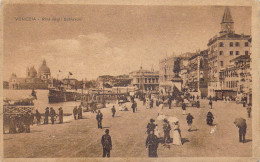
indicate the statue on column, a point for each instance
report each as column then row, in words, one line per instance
column 176, row 67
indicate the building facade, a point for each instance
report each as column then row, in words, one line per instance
column 223, row 48
column 236, row 80
column 197, row 78
column 145, row 80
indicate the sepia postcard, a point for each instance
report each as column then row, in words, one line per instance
column 130, row 80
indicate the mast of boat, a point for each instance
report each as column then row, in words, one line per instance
column 82, row 91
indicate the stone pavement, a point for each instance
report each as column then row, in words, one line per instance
column 81, row 138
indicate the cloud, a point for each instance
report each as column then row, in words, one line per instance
column 85, row 56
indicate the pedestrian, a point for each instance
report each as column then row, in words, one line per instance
column 46, row 115
column 144, row 101
column 113, row 109
column 80, row 112
column 170, row 102
column 99, row 118
column 31, row 118
column 61, row 115
column 12, row 125
column 152, row 144
column 147, row 103
column 210, row 118
column 183, row 108
column 75, row 112
column 53, row 115
column 134, row 105
column 20, row 124
column 176, row 134
column 242, row 126
column 27, row 122
column 244, row 103
column 166, row 130
column 198, row 104
column 38, row 117
column 106, row 144
column 189, row 119
column 210, row 103
column 193, row 97
column 151, row 103
column 160, row 108
column 151, row 126
column 249, row 111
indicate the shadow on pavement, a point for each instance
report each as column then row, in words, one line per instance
column 248, row 140
column 184, row 140
column 193, row 130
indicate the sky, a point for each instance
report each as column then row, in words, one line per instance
column 108, row 39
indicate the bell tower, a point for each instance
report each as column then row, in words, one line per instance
column 227, row 23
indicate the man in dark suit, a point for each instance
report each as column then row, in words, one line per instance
column 152, row 144
column 46, row 115
column 106, row 144
column 61, row 115
column 99, row 118
column 242, row 132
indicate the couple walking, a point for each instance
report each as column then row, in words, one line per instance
column 176, row 132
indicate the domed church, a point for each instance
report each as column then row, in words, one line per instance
column 33, row 79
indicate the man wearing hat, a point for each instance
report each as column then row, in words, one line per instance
column 46, row 115
column 52, row 114
column 27, row 122
column 38, row 117
column 75, row 112
column 61, row 115
column 113, row 109
column 106, row 144
column 99, row 118
column 80, row 112
column 150, row 126
column 166, row 130
column 189, row 119
column 152, row 144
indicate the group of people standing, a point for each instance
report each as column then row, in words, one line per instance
column 21, row 123
column 50, row 112
column 77, row 112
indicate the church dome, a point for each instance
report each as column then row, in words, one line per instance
column 44, row 68
column 33, row 72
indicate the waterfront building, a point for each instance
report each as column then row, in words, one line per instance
column 236, row 79
column 222, row 49
column 145, row 80
column 197, row 75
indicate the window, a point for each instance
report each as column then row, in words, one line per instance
column 246, row 44
column 231, row 53
column 246, row 52
column 237, row 52
column 220, row 52
column 237, row 44
column 221, row 44
column 231, row 44
column 221, row 63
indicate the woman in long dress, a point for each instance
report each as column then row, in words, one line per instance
column 176, row 134
column 160, row 109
